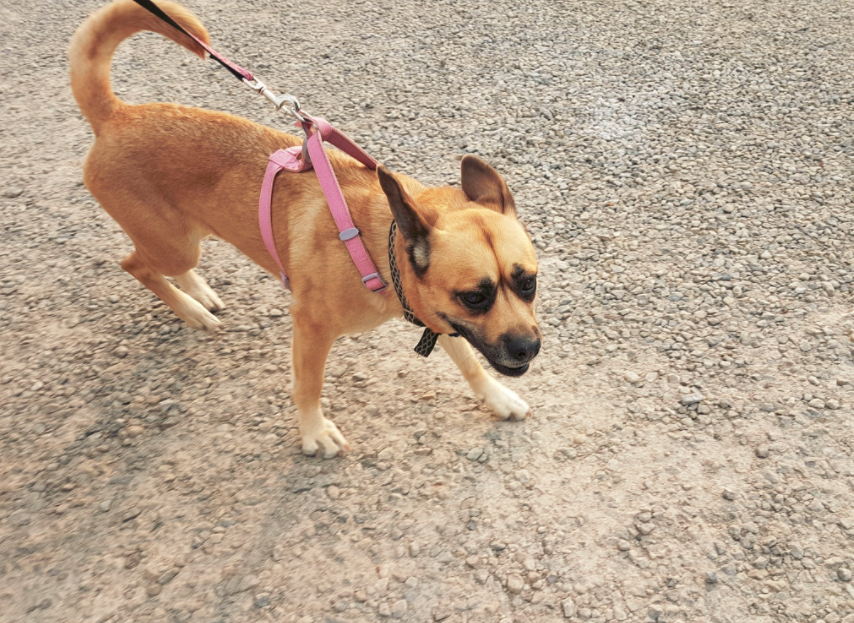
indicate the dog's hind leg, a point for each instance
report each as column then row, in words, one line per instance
column 311, row 345
column 198, row 288
column 503, row 401
column 185, row 307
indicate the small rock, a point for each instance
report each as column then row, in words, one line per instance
column 261, row 601
column 645, row 528
column 632, row 377
column 12, row 192
column 340, row 605
column 711, row 577
column 442, row 613
column 386, row 455
column 568, row 608
column 515, row 583
column 384, row 610
column 729, row 494
column 692, row 399
column 121, row 352
column 762, row 452
column 474, row 454
column 167, row 577
column 398, row 609
column 134, row 431
column 105, row 505
column 844, row 574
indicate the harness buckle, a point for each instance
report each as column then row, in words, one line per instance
column 376, row 276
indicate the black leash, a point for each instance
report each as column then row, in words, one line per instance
column 236, row 70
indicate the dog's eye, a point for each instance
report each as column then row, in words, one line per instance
column 529, row 285
column 474, row 300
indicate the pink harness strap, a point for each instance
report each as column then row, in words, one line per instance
column 295, row 159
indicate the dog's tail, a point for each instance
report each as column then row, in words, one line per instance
column 92, row 47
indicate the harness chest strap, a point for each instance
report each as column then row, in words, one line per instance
column 295, row 160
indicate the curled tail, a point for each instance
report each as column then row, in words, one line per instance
column 92, row 47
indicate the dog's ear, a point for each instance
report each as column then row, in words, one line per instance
column 482, row 184
column 413, row 221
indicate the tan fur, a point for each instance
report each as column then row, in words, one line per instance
column 171, row 175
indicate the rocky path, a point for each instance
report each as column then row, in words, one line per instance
column 685, row 170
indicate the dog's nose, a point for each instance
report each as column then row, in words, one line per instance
column 522, row 348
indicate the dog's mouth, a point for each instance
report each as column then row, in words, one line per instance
column 508, row 371
column 500, row 368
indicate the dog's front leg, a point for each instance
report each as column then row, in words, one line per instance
column 310, row 348
column 504, row 402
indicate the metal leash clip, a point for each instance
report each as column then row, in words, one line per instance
column 278, row 101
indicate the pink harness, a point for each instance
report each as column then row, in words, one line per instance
column 312, row 155
column 299, row 159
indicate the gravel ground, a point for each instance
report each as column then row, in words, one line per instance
column 685, row 170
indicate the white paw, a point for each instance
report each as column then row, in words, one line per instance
column 195, row 286
column 207, row 297
column 197, row 317
column 505, row 403
column 325, row 438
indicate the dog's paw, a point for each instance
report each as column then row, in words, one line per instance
column 207, row 297
column 197, row 317
column 504, row 402
column 324, row 439
column 195, row 286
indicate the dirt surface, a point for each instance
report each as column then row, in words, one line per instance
column 685, row 172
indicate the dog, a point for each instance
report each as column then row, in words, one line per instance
column 171, row 175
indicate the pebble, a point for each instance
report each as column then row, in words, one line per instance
column 692, row 398
column 12, row 192
column 568, row 607
column 632, row 377
column 515, row 584
column 398, row 609
column 474, row 454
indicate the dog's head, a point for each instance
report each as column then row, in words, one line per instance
column 470, row 267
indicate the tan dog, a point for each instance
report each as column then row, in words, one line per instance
column 170, row 176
